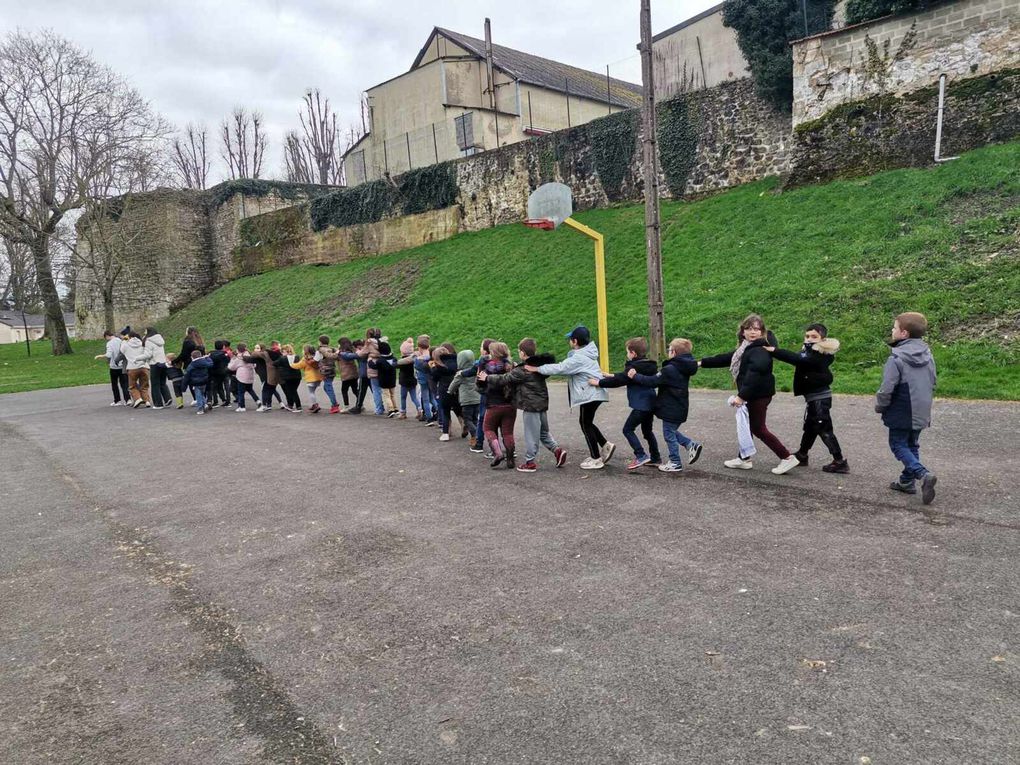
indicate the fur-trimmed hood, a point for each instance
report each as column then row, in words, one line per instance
column 827, row 345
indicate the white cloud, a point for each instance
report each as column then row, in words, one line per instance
column 194, row 60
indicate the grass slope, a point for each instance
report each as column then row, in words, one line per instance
column 852, row 254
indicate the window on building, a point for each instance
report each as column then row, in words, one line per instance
column 465, row 125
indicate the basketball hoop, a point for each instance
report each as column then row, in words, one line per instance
column 544, row 224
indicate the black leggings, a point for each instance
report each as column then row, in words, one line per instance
column 290, row 392
column 363, row 387
column 349, row 386
column 818, row 424
column 592, row 435
column 119, row 383
column 269, row 392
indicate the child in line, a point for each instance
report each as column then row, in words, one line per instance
column 116, row 362
column 812, row 377
column 531, row 396
column 310, row 374
column 905, row 399
column 326, row 357
column 500, row 412
column 218, row 393
column 371, row 351
column 442, row 368
column 385, row 367
column 641, row 400
column 244, row 374
column 407, row 379
column 176, row 376
column 672, row 403
column 581, row 365
column 264, row 360
column 347, row 360
column 422, row 357
column 751, row 368
column 290, row 378
column 196, row 377
column 465, row 390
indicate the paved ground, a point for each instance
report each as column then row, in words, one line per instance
column 282, row 588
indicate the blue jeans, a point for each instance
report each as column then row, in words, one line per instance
column 906, row 447
column 428, row 404
column 412, row 391
column 646, row 420
column 675, row 440
column 327, row 385
column 480, row 431
column 376, row 395
column 199, row 391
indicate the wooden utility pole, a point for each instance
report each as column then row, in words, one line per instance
column 650, row 158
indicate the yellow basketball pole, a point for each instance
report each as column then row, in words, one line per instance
column 600, row 287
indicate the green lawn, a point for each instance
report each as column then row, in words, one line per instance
column 19, row 371
column 945, row 241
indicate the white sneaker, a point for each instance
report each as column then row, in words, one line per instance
column 785, row 466
column 593, row 464
column 444, row 437
column 194, row 403
column 739, row 464
column 155, row 407
column 117, row 403
column 240, row 409
column 261, row 408
column 607, row 451
column 200, row 411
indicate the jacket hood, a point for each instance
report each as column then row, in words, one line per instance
column 540, row 359
column 913, row 351
column 827, row 346
column 685, row 363
column 134, row 342
column 156, row 339
column 384, row 348
column 643, row 366
column 465, row 359
column 591, row 350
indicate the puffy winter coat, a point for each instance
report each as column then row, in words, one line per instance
column 639, row 397
column 754, row 378
column 908, row 386
column 197, row 373
column 672, row 402
column 530, row 391
column 812, row 376
column 327, row 362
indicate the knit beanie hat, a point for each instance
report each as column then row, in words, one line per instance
column 407, row 347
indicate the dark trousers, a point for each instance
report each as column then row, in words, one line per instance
column 242, row 389
column 349, row 387
column 269, row 392
column 499, row 422
column 178, row 389
column 363, row 386
column 160, row 391
column 218, row 389
column 448, row 406
column 119, row 384
column 818, row 424
column 757, row 411
column 470, row 415
column 646, row 420
column 592, row 435
column 290, row 392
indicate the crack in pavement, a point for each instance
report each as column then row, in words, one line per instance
column 257, row 697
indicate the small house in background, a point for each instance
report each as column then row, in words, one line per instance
column 443, row 108
column 697, row 53
column 13, row 323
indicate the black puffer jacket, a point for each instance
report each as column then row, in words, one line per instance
column 284, row 371
column 672, row 402
column 530, row 391
column 443, row 372
column 754, row 378
column 811, row 376
column 497, row 391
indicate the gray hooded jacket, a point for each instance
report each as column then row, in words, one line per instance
column 908, row 386
column 580, row 366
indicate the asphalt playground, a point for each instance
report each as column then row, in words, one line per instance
column 245, row 588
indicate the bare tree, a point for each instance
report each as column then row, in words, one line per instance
column 243, row 143
column 322, row 137
column 17, row 277
column 190, row 158
column 63, row 119
column 297, row 162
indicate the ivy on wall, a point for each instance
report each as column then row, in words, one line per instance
column 679, row 130
column 428, row 188
column 858, row 11
column 256, row 187
column 613, row 141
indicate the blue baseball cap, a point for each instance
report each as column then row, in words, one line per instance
column 581, row 334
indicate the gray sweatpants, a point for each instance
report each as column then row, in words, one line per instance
column 536, row 430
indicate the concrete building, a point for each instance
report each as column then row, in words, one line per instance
column 12, row 326
column 442, row 108
column 697, row 53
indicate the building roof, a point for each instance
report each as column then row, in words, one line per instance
column 544, row 72
column 34, row 320
column 692, row 20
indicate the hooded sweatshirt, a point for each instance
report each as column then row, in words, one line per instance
column 908, row 386
column 812, row 376
column 157, row 345
column 581, row 365
column 137, row 355
column 113, row 353
column 463, row 387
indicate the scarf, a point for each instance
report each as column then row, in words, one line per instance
column 737, row 356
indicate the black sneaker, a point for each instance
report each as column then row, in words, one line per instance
column 928, row 488
column 802, row 461
column 496, row 462
column 837, row 466
column 905, row 488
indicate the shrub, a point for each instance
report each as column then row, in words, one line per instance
column 858, row 11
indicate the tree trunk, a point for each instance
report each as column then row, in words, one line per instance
column 108, row 310
column 55, row 326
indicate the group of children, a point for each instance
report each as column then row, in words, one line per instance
column 486, row 394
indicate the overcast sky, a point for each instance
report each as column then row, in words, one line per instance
column 196, row 59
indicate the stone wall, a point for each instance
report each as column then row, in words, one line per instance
column 884, row 132
column 898, row 55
